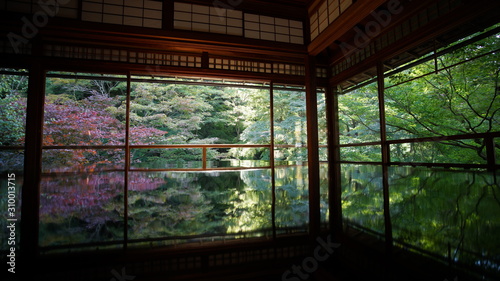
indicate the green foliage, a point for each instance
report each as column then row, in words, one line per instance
column 435, row 209
column 12, row 85
column 359, row 115
column 458, row 98
column 12, row 119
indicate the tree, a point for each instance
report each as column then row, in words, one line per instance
column 458, row 99
column 87, row 122
column 13, row 100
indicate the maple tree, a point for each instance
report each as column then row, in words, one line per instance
column 87, row 123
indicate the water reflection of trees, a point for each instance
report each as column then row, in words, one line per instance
column 88, row 208
column 448, row 213
column 81, row 208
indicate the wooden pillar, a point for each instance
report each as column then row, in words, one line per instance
column 334, row 182
column 271, row 160
column 490, row 153
column 385, row 157
column 168, row 15
column 313, row 147
column 32, row 171
column 127, row 162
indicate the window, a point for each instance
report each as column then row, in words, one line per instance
column 142, row 13
column 273, row 29
column 208, row 19
column 440, row 174
column 173, row 158
column 13, row 102
column 325, row 14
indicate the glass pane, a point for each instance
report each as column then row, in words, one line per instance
column 292, row 199
column 362, row 196
column 165, row 113
column 290, row 122
column 323, row 153
column 290, row 155
column 322, row 122
column 166, row 158
column 443, row 152
column 324, row 206
column 11, row 161
column 457, row 98
column 84, row 112
column 370, row 153
column 165, row 204
column 220, row 158
column 81, row 208
column 447, row 212
column 359, row 115
column 79, row 160
column 13, row 101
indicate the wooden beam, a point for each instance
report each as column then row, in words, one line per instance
column 344, row 23
column 461, row 15
column 355, row 40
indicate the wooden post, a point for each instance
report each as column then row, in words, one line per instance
column 313, row 148
column 334, row 182
column 490, row 153
column 127, row 163
column 204, row 158
column 32, row 171
column 271, row 160
column 385, row 157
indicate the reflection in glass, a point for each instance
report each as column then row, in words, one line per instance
column 438, row 152
column 362, row 198
column 166, row 204
column 79, row 160
column 447, row 213
column 11, row 161
column 290, row 155
column 292, row 198
column 370, row 153
column 81, row 208
column 166, row 158
column 324, row 204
